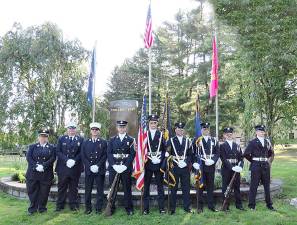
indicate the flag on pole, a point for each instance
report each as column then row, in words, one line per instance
column 166, row 123
column 198, row 138
column 148, row 35
column 214, row 83
column 92, row 74
column 141, row 153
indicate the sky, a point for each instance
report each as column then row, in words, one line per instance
column 116, row 25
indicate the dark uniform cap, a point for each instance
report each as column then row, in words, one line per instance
column 153, row 117
column 260, row 127
column 205, row 125
column 122, row 123
column 43, row 132
column 228, row 130
column 179, row 125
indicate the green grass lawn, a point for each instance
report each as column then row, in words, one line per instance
column 13, row 211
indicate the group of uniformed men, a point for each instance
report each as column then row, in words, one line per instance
column 75, row 155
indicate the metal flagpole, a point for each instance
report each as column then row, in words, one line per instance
column 217, row 117
column 94, row 84
column 150, row 82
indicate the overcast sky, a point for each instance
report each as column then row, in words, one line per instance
column 117, row 25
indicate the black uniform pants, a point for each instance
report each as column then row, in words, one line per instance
column 226, row 178
column 208, row 180
column 38, row 192
column 89, row 182
column 125, row 179
column 147, row 182
column 182, row 175
column 71, row 184
column 263, row 175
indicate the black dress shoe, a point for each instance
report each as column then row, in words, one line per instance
column 74, row 209
column 271, row 208
column 172, row 212
column 240, row 208
column 130, row 213
column 188, row 211
column 42, row 211
column 146, row 212
column 162, row 211
column 31, row 213
column 88, row 211
column 200, row 210
column 213, row 209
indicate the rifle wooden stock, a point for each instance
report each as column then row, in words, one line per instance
column 112, row 195
column 228, row 192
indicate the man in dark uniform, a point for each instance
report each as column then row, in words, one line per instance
column 39, row 176
column 260, row 153
column 68, row 168
column 94, row 155
column 181, row 150
column 156, row 154
column 121, row 154
column 208, row 152
column 232, row 162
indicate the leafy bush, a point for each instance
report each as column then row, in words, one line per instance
column 19, row 176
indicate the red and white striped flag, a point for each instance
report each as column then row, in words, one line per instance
column 148, row 35
column 141, row 153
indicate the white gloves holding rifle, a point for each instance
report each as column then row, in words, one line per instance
column 209, row 162
column 196, row 166
column 182, row 164
column 94, row 168
column 70, row 163
column 237, row 169
column 119, row 168
column 39, row 168
column 156, row 160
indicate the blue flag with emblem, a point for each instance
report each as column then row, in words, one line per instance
column 90, row 95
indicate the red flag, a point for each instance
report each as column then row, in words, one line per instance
column 148, row 35
column 214, row 83
column 141, row 153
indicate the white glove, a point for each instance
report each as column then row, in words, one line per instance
column 116, row 168
column 182, row 164
column 122, row 168
column 70, row 163
column 196, row 166
column 40, row 168
column 209, row 162
column 237, row 169
column 94, row 168
column 166, row 154
column 156, row 160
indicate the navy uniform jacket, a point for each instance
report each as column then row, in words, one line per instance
column 235, row 154
column 67, row 149
column 255, row 149
column 180, row 148
column 94, row 153
column 124, row 149
column 44, row 156
column 154, row 144
column 215, row 152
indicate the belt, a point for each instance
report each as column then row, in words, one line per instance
column 120, row 156
column 154, row 153
column 232, row 160
column 260, row 159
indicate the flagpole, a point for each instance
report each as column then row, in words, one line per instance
column 217, row 117
column 150, row 82
column 94, row 85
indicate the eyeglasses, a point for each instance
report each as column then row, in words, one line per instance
column 71, row 127
column 153, row 122
column 96, row 129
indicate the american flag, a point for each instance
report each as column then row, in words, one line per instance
column 141, row 153
column 148, row 35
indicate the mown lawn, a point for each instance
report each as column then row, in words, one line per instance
column 13, row 211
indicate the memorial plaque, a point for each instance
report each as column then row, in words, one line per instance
column 124, row 110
